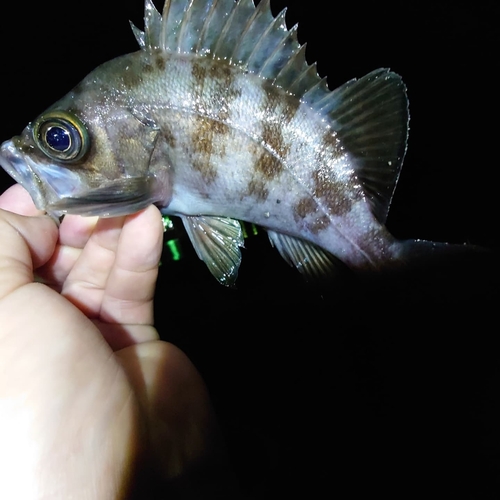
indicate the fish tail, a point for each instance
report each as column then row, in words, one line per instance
column 432, row 274
column 418, row 253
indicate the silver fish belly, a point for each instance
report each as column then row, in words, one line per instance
column 218, row 118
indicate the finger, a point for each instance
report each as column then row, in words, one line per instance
column 87, row 280
column 74, row 233
column 16, row 199
column 128, row 297
column 55, row 272
column 26, row 242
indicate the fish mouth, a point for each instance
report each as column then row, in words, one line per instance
column 46, row 184
column 15, row 164
column 59, row 191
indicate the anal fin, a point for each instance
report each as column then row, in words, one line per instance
column 217, row 242
column 314, row 263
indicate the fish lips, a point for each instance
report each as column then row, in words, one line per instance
column 46, row 184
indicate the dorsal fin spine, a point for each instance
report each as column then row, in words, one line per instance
column 165, row 16
column 139, row 35
column 277, row 24
column 213, row 26
column 197, row 48
column 286, row 40
column 316, row 93
column 305, row 81
column 225, row 29
column 255, row 30
column 164, row 28
column 152, row 25
column 298, row 78
column 244, row 32
column 289, row 72
column 184, row 26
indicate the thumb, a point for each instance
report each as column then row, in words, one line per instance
column 26, row 243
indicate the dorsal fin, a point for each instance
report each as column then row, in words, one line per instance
column 238, row 32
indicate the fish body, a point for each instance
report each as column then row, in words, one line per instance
column 218, row 118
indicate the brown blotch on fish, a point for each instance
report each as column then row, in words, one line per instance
column 280, row 103
column 169, row 137
column 131, row 80
column 221, row 72
column 203, row 134
column 99, row 98
column 220, row 128
column 258, row 189
column 205, row 144
column 308, row 210
column 148, row 67
column 160, row 62
column 230, row 94
column 199, row 72
column 223, row 76
column 331, row 142
column 269, row 166
column 205, row 168
column 319, row 224
column 292, row 105
column 331, row 192
column 272, row 136
column 305, row 207
column 286, row 107
column 202, row 141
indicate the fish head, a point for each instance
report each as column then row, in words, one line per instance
column 89, row 154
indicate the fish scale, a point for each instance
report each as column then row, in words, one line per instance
column 219, row 118
column 280, row 141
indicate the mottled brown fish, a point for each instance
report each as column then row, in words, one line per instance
column 218, row 118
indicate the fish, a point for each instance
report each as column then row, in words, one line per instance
column 216, row 119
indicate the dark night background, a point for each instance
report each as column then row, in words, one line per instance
column 384, row 385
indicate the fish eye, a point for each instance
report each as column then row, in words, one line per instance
column 61, row 135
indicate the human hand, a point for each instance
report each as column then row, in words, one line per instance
column 87, row 390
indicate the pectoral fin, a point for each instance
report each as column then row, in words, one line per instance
column 217, row 241
column 311, row 261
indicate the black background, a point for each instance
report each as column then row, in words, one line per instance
column 385, row 385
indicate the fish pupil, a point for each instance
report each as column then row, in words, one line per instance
column 58, row 138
